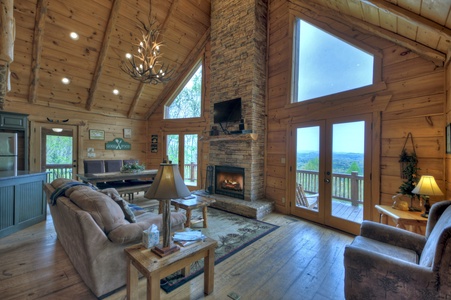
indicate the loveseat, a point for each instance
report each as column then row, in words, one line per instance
column 385, row 262
column 94, row 226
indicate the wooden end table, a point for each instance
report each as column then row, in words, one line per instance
column 402, row 218
column 189, row 205
column 142, row 260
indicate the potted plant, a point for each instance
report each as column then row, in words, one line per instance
column 410, row 174
column 132, row 167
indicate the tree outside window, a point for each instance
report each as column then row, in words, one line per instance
column 187, row 103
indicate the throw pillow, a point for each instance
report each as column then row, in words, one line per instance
column 129, row 215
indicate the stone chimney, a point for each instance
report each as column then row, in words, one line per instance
column 238, row 70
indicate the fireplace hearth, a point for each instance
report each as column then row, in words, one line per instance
column 229, row 181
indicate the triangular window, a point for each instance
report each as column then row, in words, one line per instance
column 186, row 102
column 325, row 65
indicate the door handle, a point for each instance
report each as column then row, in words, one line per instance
column 327, row 180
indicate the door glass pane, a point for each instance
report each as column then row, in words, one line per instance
column 348, row 144
column 58, row 156
column 190, row 157
column 173, row 148
column 307, row 167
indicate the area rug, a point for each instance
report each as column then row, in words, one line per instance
column 231, row 231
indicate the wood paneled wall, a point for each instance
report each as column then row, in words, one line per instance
column 82, row 121
column 415, row 103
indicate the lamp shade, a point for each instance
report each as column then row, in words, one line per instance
column 427, row 186
column 168, row 184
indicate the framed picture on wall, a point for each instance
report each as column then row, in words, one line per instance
column 95, row 134
column 448, row 138
column 127, row 133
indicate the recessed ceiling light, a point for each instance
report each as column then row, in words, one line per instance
column 74, row 36
column 116, row 91
column 65, row 80
column 128, row 55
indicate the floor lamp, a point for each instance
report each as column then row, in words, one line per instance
column 168, row 184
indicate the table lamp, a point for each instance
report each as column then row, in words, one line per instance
column 427, row 187
column 168, row 184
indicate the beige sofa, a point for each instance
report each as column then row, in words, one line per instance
column 92, row 228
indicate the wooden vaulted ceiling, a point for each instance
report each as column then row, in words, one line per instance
column 44, row 52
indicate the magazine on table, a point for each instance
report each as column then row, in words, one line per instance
column 185, row 238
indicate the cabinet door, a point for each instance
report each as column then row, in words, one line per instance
column 13, row 121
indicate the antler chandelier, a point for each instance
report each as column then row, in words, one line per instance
column 145, row 65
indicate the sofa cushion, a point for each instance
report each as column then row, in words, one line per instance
column 104, row 210
column 132, row 232
column 438, row 236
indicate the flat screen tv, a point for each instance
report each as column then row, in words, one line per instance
column 227, row 111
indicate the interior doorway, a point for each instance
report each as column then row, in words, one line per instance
column 331, row 170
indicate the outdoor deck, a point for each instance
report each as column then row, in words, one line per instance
column 347, row 211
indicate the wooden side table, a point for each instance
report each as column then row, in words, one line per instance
column 189, row 205
column 402, row 218
column 142, row 260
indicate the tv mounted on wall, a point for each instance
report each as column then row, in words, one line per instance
column 227, row 111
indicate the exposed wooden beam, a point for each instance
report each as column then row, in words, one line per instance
column 38, row 36
column 317, row 12
column 411, row 17
column 173, row 6
column 190, row 59
column 103, row 52
column 138, row 94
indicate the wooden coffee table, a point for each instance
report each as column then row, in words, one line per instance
column 142, row 260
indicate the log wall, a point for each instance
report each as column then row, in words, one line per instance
column 415, row 104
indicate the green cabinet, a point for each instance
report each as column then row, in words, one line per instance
column 13, row 121
column 22, row 201
column 17, row 123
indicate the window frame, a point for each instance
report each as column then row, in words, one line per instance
column 181, row 85
column 377, row 85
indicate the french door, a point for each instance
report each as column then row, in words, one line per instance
column 182, row 149
column 330, row 171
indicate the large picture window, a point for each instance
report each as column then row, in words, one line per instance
column 186, row 103
column 325, row 64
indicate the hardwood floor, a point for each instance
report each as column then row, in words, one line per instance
column 300, row 260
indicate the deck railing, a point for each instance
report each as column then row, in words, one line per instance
column 347, row 187
column 58, row 171
column 190, row 172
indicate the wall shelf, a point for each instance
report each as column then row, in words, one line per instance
column 231, row 137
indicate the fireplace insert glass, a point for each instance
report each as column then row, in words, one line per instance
column 229, row 181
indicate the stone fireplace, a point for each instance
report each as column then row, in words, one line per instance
column 238, row 48
column 229, row 181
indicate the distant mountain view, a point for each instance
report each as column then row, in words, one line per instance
column 344, row 163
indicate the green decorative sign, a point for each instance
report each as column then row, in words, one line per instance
column 118, row 144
